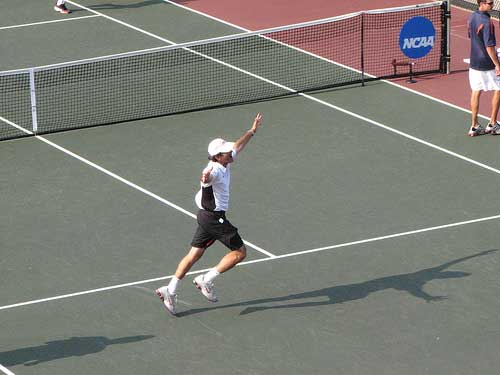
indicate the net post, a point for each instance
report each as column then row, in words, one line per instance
column 447, row 26
column 34, row 121
column 411, row 80
column 362, row 49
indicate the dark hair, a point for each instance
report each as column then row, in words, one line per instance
column 214, row 158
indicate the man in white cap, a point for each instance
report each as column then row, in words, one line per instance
column 213, row 201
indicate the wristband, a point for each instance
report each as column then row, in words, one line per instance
column 251, row 132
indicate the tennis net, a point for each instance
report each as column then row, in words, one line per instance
column 241, row 68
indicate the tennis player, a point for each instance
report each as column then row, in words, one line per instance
column 61, row 7
column 213, row 201
column 484, row 70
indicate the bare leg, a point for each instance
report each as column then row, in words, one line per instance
column 474, row 106
column 187, row 262
column 495, row 101
column 231, row 259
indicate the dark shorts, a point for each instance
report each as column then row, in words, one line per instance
column 212, row 226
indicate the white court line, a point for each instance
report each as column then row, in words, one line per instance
column 46, row 22
column 120, row 22
column 403, row 134
column 298, row 253
column 16, row 126
column 402, row 234
column 95, row 290
column 6, row 370
column 459, row 36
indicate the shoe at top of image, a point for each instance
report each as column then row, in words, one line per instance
column 62, row 9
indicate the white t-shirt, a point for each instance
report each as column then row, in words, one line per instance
column 219, row 183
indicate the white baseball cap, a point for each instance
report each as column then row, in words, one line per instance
column 218, row 145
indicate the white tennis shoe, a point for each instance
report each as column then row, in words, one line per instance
column 493, row 129
column 206, row 288
column 169, row 299
column 475, row 131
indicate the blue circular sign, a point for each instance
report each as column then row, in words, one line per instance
column 416, row 37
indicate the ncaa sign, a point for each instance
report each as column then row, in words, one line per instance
column 416, row 37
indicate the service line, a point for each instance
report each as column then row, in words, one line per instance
column 46, row 22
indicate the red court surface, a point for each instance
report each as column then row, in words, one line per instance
column 260, row 14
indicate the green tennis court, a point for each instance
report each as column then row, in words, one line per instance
column 371, row 224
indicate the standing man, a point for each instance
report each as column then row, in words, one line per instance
column 484, row 71
column 61, row 7
column 213, row 201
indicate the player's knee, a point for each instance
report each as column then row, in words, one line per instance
column 241, row 253
column 195, row 253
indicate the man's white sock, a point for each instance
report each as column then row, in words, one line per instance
column 211, row 275
column 172, row 285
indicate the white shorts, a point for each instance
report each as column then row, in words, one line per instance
column 484, row 80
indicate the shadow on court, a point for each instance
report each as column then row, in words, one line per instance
column 72, row 347
column 139, row 4
column 412, row 283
